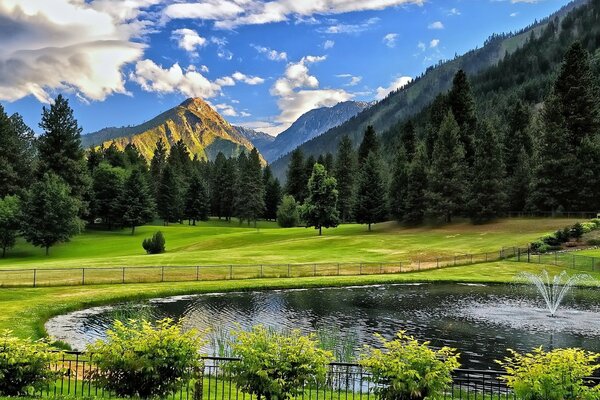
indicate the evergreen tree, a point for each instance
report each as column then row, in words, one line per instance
column 487, row 198
column 447, row 176
column 94, row 158
column 218, row 185
column 398, row 186
column 462, row 105
column 10, row 221
column 288, row 215
column 170, row 200
column 344, row 172
column 107, row 188
column 16, row 154
column 409, row 139
column 308, row 168
column 197, row 204
column 272, row 194
column 370, row 143
column 50, row 213
column 519, row 182
column 158, row 162
column 250, row 204
column 370, row 206
column 136, row 201
column 231, row 181
column 415, row 204
column 179, row 158
column 114, row 157
column 320, row 208
column 134, row 159
column 518, row 135
column 588, row 175
column 329, row 162
column 59, row 149
column 296, row 177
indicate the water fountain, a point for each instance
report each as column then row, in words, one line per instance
column 553, row 290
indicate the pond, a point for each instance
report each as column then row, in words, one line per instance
column 481, row 321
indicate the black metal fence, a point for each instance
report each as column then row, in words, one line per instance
column 344, row 382
column 565, row 259
column 37, row 277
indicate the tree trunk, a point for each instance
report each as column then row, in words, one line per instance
column 369, row 227
column 132, row 230
column 47, row 250
column 320, row 231
column 3, row 251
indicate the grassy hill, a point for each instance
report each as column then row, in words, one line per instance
column 219, row 243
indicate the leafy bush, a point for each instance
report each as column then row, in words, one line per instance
column 154, row 245
column 596, row 221
column 25, row 365
column 408, row 370
column 145, row 360
column 594, row 242
column 588, row 227
column 551, row 240
column 288, row 214
column 563, row 235
column 275, row 365
column 539, row 247
column 576, row 232
column 556, row 375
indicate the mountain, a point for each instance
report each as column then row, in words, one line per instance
column 201, row 128
column 310, row 125
column 417, row 95
column 260, row 140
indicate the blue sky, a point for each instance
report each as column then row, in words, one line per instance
column 260, row 63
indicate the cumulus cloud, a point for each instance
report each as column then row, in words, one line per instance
column 398, row 83
column 390, row 39
column 228, row 14
column 436, row 25
column 328, row 44
column 188, row 39
column 434, row 43
column 352, row 80
column 271, row 54
column 74, row 46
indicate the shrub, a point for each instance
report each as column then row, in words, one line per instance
column 551, row 240
column 594, row 242
column 562, row 235
column 145, row 360
column 288, row 214
column 576, row 232
column 539, row 247
column 154, row 245
column 596, row 221
column 275, row 365
column 588, row 227
column 25, row 365
column 556, row 375
column 408, row 370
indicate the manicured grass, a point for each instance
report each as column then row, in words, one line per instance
column 218, row 242
column 24, row 311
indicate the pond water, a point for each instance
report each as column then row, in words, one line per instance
column 481, row 321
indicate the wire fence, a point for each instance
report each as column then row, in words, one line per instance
column 565, row 259
column 344, row 381
column 43, row 277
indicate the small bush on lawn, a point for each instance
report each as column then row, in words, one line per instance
column 577, row 231
column 408, row 370
column 276, row 365
column 288, row 214
column 539, row 247
column 556, row 375
column 25, row 365
column 139, row 359
column 154, row 245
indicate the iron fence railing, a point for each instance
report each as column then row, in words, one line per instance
column 37, row 277
column 345, row 381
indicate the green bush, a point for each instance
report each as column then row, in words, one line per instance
column 539, row 247
column 556, row 375
column 25, row 365
column 588, row 227
column 155, row 244
column 288, row 214
column 408, row 370
column 576, row 231
column 139, row 359
column 274, row 365
column 594, row 242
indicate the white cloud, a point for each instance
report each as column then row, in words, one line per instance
column 226, row 110
column 421, row 46
column 271, row 54
column 228, row 14
column 398, row 83
column 188, row 39
column 340, row 28
column 436, row 25
column 352, row 80
column 328, row 44
column 434, row 43
column 454, row 11
column 514, row 14
column 249, row 80
column 72, row 46
column 390, row 39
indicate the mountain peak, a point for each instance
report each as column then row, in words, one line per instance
column 194, row 103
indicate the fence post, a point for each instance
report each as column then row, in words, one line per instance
column 261, row 270
column 162, row 274
column 314, row 269
column 82, row 276
column 360, row 269
column 230, row 272
column 338, row 269
column 123, row 280
column 34, row 276
column 289, row 271
column 573, row 261
column 197, row 272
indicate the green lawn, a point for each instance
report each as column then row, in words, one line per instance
column 218, row 242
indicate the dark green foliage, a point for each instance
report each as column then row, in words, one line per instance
column 170, row 199
column 447, row 185
column 588, row 175
column 320, row 208
column 114, row 157
column 272, row 194
column 577, row 231
column 462, row 105
column 250, row 201
column 517, row 137
column 518, row 184
column 487, row 197
column 296, row 176
column 179, row 159
column 329, row 162
column 398, row 186
column 16, row 154
column 157, row 164
column 370, row 143
column 408, row 139
column 50, row 213
column 137, row 204
column 370, row 206
column 197, row 200
column 415, row 204
column 288, row 213
column 94, row 158
column 10, row 222
column 134, row 158
column 59, row 148
column 155, row 244
column 107, row 189
column 344, row 172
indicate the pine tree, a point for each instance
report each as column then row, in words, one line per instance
column 329, row 162
column 170, row 199
column 296, row 176
column 137, row 204
column 320, row 208
column 230, row 182
column 134, row 158
column 59, row 149
column 107, row 187
column 94, row 158
column 218, row 185
column 518, row 136
column 197, row 201
column 10, row 221
column 462, row 105
column 114, row 157
column 487, row 197
column 415, row 204
column 179, row 158
column 308, row 168
column 50, row 213
column 158, row 162
column 370, row 206
column 519, row 182
column 398, row 186
column 288, row 215
column 344, row 172
column 250, row 204
column 16, row 154
column 370, row 143
column 272, row 194
column 447, row 177
column 409, row 139
column 588, row 175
